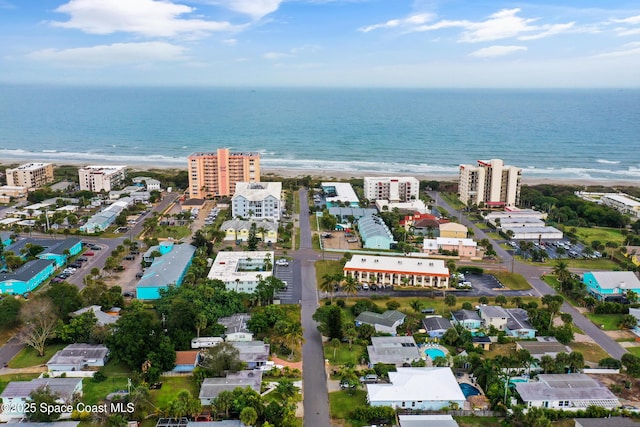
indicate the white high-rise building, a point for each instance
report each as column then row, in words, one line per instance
column 257, row 200
column 491, row 182
column 394, row 189
column 99, row 178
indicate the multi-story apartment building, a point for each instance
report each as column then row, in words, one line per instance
column 216, row 174
column 99, row 178
column 257, row 200
column 30, row 175
column 394, row 189
column 491, row 182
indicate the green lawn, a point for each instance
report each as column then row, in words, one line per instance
column 171, row 386
column 327, row 267
column 591, row 352
column 93, row 392
column 610, row 321
column 29, row 357
column 176, row 232
column 634, row 350
column 604, row 235
column 6, row 379
column 513, row 281
column 452, row 200
column 341, row 404
column 472, row 421
column 342, row 354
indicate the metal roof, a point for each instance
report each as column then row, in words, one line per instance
column 28, row 271
column 388, row 318
column 75, row 354
column 168, row 268
column 564, row 387
column 212, row 387
column 63, row 387
column 394, row 350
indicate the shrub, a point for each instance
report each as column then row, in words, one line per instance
column 610, row 362
column 98, row 377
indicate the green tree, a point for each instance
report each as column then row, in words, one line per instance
column 450, row 300
column 221, row 359
column 43, row 398
column 248, row 416
column 184, row 405
column 350, row 286
column 9, row 312
column 501, row 300
column 286, row 390
column 79, row 329
column 223, row 403
column 65, row 297
column 350, row 333
column 416, row 305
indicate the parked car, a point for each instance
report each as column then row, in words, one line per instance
column 365, row 287
column 369, row 378
column 282, row 262
column 89, row 253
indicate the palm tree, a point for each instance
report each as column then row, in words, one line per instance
column 350, row 286
column 350, row 333
column 450, row 300
column 328, row 283
column 293, row 336
column 286, row 390
column 561, row 270
column 416, row 305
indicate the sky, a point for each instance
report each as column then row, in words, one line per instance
column 322, row 43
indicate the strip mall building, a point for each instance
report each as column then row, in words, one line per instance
column 398, row 271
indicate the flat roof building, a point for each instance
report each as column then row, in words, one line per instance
column 101, row 178
column 257, row 200
column 339, row 193
column 241, row 271
column 491, row 183
column 30, row 175
column 398, row 271
column 623, row 203
column 394, row 189
column 215, row 174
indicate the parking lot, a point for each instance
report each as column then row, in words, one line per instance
column 285, row 273
column 558, row 249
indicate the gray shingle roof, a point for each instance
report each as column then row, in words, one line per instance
column 212, row 387
column 63, row 387
column 493, row 311
column 394, row 350
column 388, row 318
column 461, row 315
column 252, row 351
column 29, row 270
column 79, row 353
column 564, row 387
column 436, row 323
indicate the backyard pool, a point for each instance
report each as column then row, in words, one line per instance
column 433, row 353
column 468, row 390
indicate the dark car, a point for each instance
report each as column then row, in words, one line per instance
column 75, row 265
column 82, row 259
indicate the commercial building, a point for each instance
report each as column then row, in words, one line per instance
column 215, row 174
column 166, row 270
column 257, row 200
column 393, row 350
column 101, row 178
column 398, row 271
column 491, row 183
column 242, row 271
column 568, row 392
column 8, row 193
column 30, row 175
column 339, row 194
column 623, row 203
column 409, row 388
column 611, row 285
column 394, row 189
column 464, row 248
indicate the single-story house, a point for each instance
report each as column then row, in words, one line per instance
column 17, row 393
column 386, row 322
column 393, row 350
column 543, row 346
column 27, row 278
column 76, row 357
column 56, row 250
column 436, row 326
column 468, row 319
column 481, row 341
column 408, row 389
column 518, row 324
column 611, row 285
column 253, row 353
column 166, row 270
column 606, row 422
column 186, row 361
column 102, row 317
column 236, row 327
column 440, row 420
column 465, row 248
column 453, row 229
column 569, row 392
column 212, row 387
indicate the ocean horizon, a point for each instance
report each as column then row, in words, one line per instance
column 585, row 134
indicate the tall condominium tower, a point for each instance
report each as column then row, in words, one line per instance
column 216, row 174
column 491, row 183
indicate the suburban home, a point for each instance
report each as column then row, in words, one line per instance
column 427, row 421
column 468, row 319
column 102, row 317
column 398, row 271
column 107, row 216
column 611, row 285
column 166, row 270
column 436, row 326
column 569, row 392
column 238, row 229
column 633, row 253
column 606, row 422
column 393, row 350
column 17, row 393
column 37, row 424
column 236, row 327
column 543, row 346
column 253, row 353
column 482, row 341
column 27, row 278
column 386, row 322
column 518, row 324
column 494, row 315
column 186, row 361
column 76, row 357
column 212, row 387
column 453, row 230
column 407, row 389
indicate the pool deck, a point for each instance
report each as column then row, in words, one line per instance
column 424, row 347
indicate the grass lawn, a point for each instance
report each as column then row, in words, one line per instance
column 341, row 403
column 452, row 200
column 6, row 379
column 175, row 231
column 472, row 421
column 634, row 350
column 513, row 281
column 29, row 357
column 93, row 392
column 171, row 386
column 604, row 235
column 610, row 321
column 327, row 267
column 591, row 352
column 500, row 350
column 342, row 354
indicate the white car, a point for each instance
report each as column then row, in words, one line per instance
column 282, row 262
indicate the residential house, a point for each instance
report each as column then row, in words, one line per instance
column 242, row 271
column 238, row 229
column 440, row 420
column 102, row 317
column 453, row 230
column 186, row 361
column 149, row 183
column 543, row 346
column 386, row 322
column 518, row 324
column 235, row 327
column 606, row 422
column 493, row 315
column 464, row 248
column 482, row 341
column 374, row 233
column 166, row 270
column 76, row 357
column 393, row 350
column 398, row 271
column 17, row 393
column 212, row 387
column 107, row 216
column 44, row 424
column 56, row 250
column 257, row 200
column 633, row 253
column 417, row 389
column 569, row 392
column 468, row 319
column 611, row 285
column 436, row 326
column 254, row 353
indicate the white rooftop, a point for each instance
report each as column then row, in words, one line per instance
column 412, row 384
column 616, row 279
column 344, row 192
column 31, row 166
column 232, row 266
column 390, row 264
column 258, row 190
column 626, row 200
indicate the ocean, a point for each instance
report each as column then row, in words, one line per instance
column 575, row 134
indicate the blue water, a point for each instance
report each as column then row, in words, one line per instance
column 433, row 353
column 468, row 390
column 549, row 133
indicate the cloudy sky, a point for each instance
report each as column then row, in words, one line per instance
column 389, row 43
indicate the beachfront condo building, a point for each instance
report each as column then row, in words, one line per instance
column 491, row 183
column 30, row 175
column 101, row 178
column 216, row 174
column 394, row 189
column 257, row 200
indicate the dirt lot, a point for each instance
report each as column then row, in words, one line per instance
column 627, row 396
column 338, row 240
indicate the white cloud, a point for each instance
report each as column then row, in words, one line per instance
column 630, row 20
column 274, row 56
column 628, row 49
column 148, row 18
column 628, row 32
column 549, row 30
column 494, row 51
column 409, row 22
column 114, row 54
column 292, row 52
column 254, row 8
column 230, row 42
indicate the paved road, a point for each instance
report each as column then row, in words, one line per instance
column 9, row 350
column 533, row 273
column 316, row 395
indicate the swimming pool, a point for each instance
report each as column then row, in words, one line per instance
column 433, row 353
column 468, row 390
